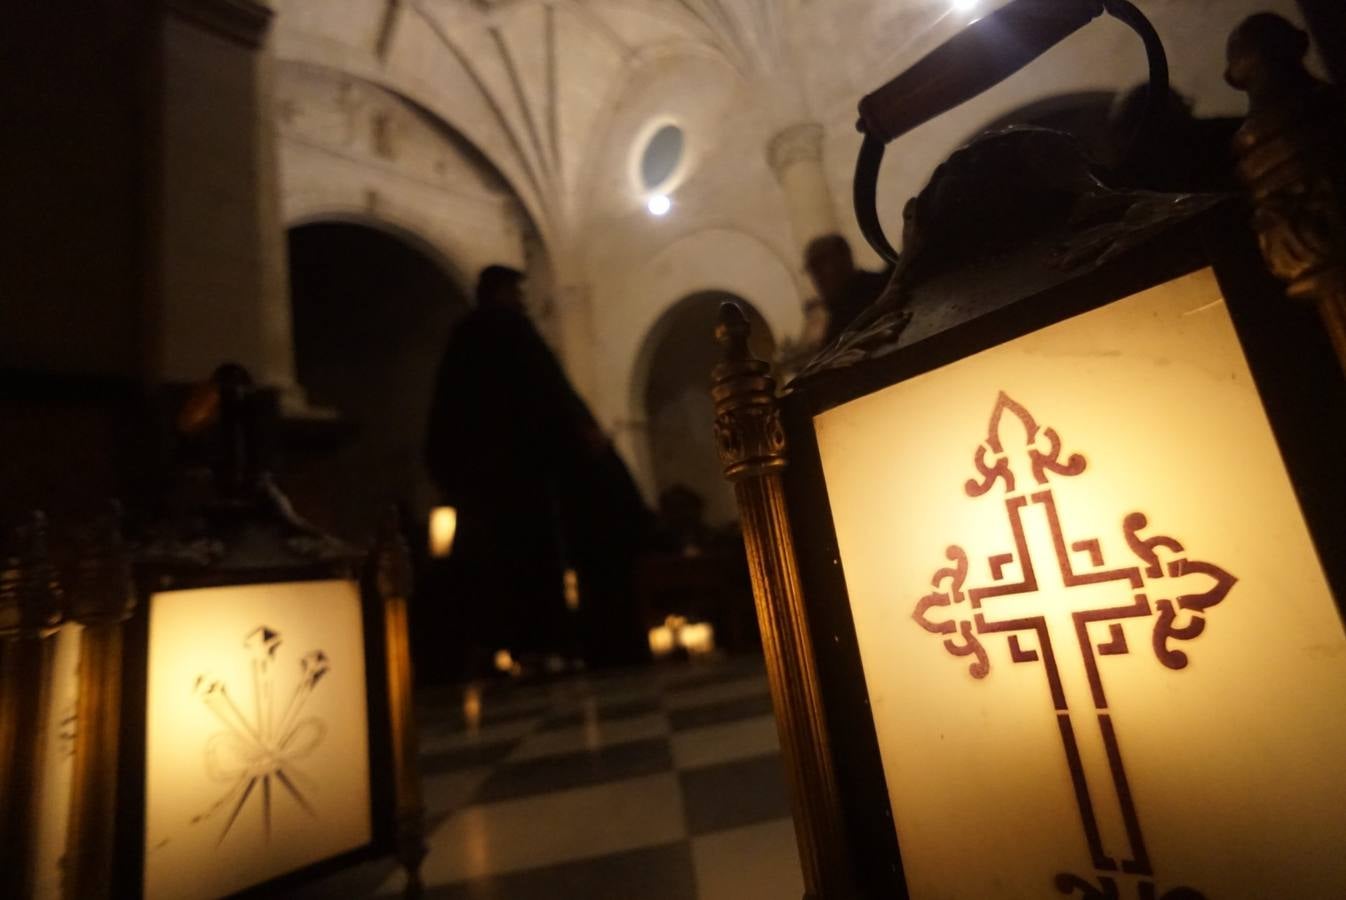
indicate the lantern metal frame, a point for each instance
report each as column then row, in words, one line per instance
column 250, row 536
column 1123, row 243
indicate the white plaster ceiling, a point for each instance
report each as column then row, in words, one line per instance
column 557, row 93
column 546, row 88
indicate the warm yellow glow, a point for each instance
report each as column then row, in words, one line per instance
column 472, row 709
column 570, row 581
column 57, row 767
column 697, row 638
column 662, row 641
column 504, row 661
column 256, row 702
column 443, row 527
column 1234, row 759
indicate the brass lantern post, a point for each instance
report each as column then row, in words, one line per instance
column 752, row 447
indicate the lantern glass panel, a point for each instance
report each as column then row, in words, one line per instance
column 58, row 762
column 257, row 744
column 1094, row 631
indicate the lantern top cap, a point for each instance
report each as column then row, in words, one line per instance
column 1010, row 215
column 247, row 524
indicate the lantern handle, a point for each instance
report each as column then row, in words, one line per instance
column 977, row 58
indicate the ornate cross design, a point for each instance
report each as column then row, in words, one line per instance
column 263, row 748
column 1036, row 605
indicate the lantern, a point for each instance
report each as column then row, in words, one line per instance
column 443, row 528
column 1049, row 549
column 265, row 731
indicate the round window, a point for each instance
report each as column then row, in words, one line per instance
column 663, row 152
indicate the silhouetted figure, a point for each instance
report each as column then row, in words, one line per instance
column 682, row 525
column 844, row 289
column 1173, row 150
column 537, row 485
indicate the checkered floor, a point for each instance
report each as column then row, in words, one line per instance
column 661, row 784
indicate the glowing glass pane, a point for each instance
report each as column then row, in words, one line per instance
column 1101, row 653
column 257, row 753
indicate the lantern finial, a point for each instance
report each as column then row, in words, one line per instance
column 747, row 421
column 732, row 331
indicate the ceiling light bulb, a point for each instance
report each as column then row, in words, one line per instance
column 658, row 204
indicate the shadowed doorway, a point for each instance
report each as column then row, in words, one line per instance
column 681, row 351
column 372, row 313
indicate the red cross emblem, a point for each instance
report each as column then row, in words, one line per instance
column 1039, row 605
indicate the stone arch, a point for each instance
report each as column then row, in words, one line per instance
column 469, row 125
column 725, row 260
column 372, row 309
column 677, row 355
column 352, row 147
column 393, row 226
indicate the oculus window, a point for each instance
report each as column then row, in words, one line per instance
column 660, row 157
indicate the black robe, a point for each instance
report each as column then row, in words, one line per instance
column 538, row 490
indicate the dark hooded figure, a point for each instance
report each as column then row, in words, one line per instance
column 537, row 486
column 844, row 289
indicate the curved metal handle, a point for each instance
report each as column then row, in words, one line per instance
column 972, row 61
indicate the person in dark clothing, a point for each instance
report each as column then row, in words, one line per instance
column 844, row 289
column 1169, row 149
column 537, row 485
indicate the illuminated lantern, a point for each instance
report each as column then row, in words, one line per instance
column 265, row 720
column 693, row 638
column 1048, row 551
column 443, row 528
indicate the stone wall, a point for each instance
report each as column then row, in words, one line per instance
column 559, row 98
column 352, row 150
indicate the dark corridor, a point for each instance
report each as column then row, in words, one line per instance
column 371, row 317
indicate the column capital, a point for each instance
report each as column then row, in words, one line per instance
column 801, row 142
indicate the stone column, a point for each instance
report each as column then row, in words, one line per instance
column 277, row 338
column 796, row 157
column 218, row 244
column 578, row 348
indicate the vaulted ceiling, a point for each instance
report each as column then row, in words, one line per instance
column 539, row 86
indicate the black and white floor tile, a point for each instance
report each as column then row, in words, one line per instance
column 663, row 784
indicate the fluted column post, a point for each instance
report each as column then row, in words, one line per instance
column 796, row 157
column 752, row 447
column 31, row 604
column 1292, row 159
column 102, row 598
column 393, row 582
